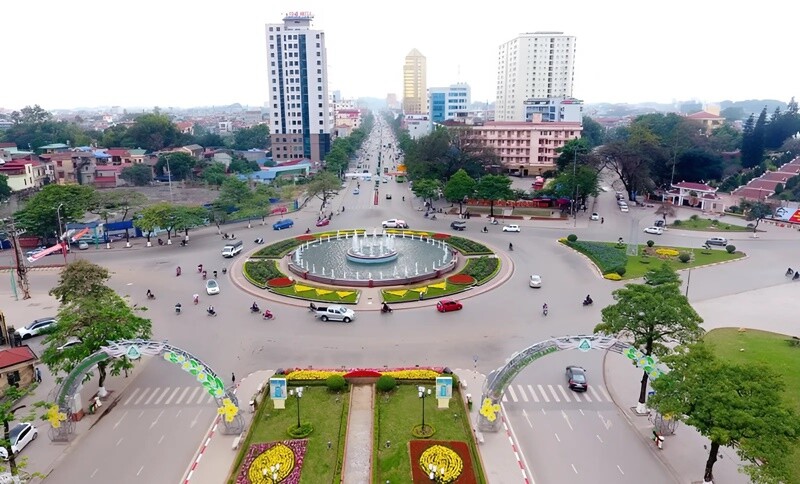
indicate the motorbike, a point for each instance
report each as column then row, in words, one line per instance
column 545, row 311
column 211, row 312
column 150, row 295
column 511, row 247
column 494, row 221
column 255, row 309
column 433, row 217
column 587, row 302
column 386, row 309
column 178, row 308
column 267, row 315
column 485, row 230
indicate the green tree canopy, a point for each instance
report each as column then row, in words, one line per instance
column 494, row 188
column 593, row 132
column 80, row 279
column 324, row 185
column 214, row 174
column 179, row 163
column 650, row 316
column 138, row 175
column 249, row 138
column 40, row 216
column 585, row 181
column 663, row 274
column 459, row 187
column 5, row 190
column 187, row 217
column 426, row 188
column 156, row 216
column 240, row 164
column 757, row 211
column 734, row 405
column 153, row 132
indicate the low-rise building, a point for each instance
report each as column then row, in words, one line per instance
column 555, row 110
column 27, row 173
column 418, row 125
column 17, row 367
column 709, row 120
column 697, row 195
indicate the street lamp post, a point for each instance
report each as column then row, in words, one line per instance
column 423, row 393
column 298, row 393
column 59, row 233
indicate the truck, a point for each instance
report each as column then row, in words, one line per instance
column 231, row 249
column 334, row 313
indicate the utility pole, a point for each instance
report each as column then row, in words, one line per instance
column 22, row 271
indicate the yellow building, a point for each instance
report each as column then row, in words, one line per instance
column 415, row 84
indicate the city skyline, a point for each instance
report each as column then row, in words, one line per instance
column 210, row 56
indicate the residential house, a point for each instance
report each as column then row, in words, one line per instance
column 119, row 157
column 222, row 157
column 195, row 151
column 185, row 127
column 27, row 173
column 108, row 176
column 710, row 121
column 71, row 167
column 697, row 195
column 137, row 156
column 17, row 367
column 53, row 148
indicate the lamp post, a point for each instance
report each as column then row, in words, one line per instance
column 423, row 393
column 298, row 393
column 59, row 233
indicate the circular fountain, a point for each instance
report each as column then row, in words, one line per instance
column 372, row 259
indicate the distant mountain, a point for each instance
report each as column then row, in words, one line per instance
column 686, row 107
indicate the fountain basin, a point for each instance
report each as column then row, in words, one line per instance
column 359, row 258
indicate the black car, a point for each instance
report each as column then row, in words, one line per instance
column 576, row 379
column 458, row 225
column 388, row 196
column 659, row 223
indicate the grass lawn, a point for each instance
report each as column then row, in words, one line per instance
column 769, row 349
column 636, row 268
column 313, row 295
column 709, row 225
column 395, row 416
column 431, row 293
column 329, row 418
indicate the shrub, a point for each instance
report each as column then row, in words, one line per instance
column 613, row 276
column 620, row 270
column 650, row 243
column 667, row 252
column 278, row 249
column 441, row 236
column 572, row 237
column 715, row 222
column 730, row 248
column 677, row 223
column 260, row 271
column 300, row 433
column 336, row 383
column 694, row 217
column 386, row 383
column 481, row 268
column 468, row 247
column 607, row 257
column 461, row 279
column 684, row 257
column 423, row 433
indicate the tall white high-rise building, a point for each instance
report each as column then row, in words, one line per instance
column 533, row 66
column 300, row 119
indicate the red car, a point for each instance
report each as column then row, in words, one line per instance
column 447, row 305
column 323, row 222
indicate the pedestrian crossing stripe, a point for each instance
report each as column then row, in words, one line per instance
column 563, row 394
column 194, row 395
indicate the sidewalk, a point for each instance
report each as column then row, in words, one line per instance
column 497, row 449
column 683, row 454
column 358, row 463
column 214, row 460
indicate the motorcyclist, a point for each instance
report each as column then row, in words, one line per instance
column 544, row 309
column 267, row 314
column 211, row 311
column 178, row 271
column 178, row 308
column 254, row 307
column 485, row 230
column 386, row 308
column 510, row 246
column 588, row 300
column 150, row 294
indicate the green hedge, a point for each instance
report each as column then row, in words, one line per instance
column 258, row 272
column 278, row 249
column 468, row 247
column 607, row 257
column 481, row 268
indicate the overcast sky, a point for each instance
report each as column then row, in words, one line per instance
column 181, row 53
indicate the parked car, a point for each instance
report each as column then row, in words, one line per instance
column 394, row 223
column 576, row 378
column 388, row 196
column 717, row 241
column 447, row 305
column 356, row 191
column 20, row 436
column 511, row 228
column 82, row 245
column 212, row 287
column 283, row 224
column 595, row 216
column 659, row 223
column 334, row 313
column 73, row 341
column 654, row 230
column 323, row 222
column 535, row 281
column 36, row 327
column 458, row 225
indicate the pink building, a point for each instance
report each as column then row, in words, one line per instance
column 526, row 148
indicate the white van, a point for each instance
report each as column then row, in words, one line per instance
column 232, row 249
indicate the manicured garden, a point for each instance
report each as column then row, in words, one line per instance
column 397, row 412
column 779, row 352
column 269, row 443
column 615, row 264
column 708, row 225
column 477, row 271
column 265, row 274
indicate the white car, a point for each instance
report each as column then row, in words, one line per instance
column 356, row 191
column 535, row 281
column 394, row 223
column 83, row 245
column 73, row 341
column 654, row 230
column 595, row 216
column 623, row 208
column 36, row 327
column 20, row 435
column 212, row 287
column 511, row 228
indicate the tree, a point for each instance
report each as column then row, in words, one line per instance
column 459, row 187
column 31, row 115
column 650, row 316
column 734, row 405
column 154, row 132
column 185, row 218
column 79, row 279
column 426, row 189
column 40, row 215
column 664, row 274
column 667, row 209
column 574, row 149
column 324, row 185
column 5, row 190
column 249, row 138
column 584, row 181
column 593, row 132
column 208, row 139
column 138, row 175
column 180, row 164
column 154, row 217
column 214, row 174
column 240, row 164
column 8, row 409
column 757, row 211
column 494, row 188
column 94, row 318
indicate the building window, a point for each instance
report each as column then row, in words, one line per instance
column 13, row 378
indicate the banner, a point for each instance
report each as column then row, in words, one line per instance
column 48, row 251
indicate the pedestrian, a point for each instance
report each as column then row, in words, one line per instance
column 233, row 378
column 196, row 298
column 602, row 220
column 38, row 375
column 421, row 295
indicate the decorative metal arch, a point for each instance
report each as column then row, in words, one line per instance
column 497, row 381
column 61, row 422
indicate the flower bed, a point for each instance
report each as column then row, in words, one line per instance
column 461, row 279
column 279, row 282
column 317, row 293
column 453, row 456
column 666, row 252
column 607, row 257
column 258, row 272
column 307, row 375
column 288, row 455
column 277, row 250
column 305, row 237
column 481, row 268
column 469, row 247
column 363, row 374
column 412, row 374
column 441, row 236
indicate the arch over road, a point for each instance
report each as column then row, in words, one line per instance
column 499, row 379
column 61, row 421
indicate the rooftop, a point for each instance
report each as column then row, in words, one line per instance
column 17, row 355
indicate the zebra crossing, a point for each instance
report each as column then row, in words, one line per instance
column 164, row 396
column 554, row 393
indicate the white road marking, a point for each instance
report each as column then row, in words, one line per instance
column 120, row 420
column 606, row 422
column 504, row 398
column 577, row 397
column 135, row 391
column 95, row 472
column 598, row 438
column 178, row 414
column 172, row 395
column 620, row 470
column 202, row 396
column 161, row 397
column 192, row 395
column 543, row 412
column 552, row 390
column 156, row 420
column 140, row 470
column 563, row 393
column 194, row 421
column 564, row 414
column 525, row 414
column 574, row 469
column 141, row 396
column 533, row 393
column 183, row 394
column 511, row 392
column 147, row 402
column 544, row 395
column 605, row 393
column 522, row 393
column 119, row 441
column 594, row 394
column 557, row 437
column 141, row 413
column 210, row 399
column 162, row 438
column 588, row 399
column 581, row 411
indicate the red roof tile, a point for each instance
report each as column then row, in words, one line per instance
column 15, row 356
column 117, row 152
column 8, row 145
column 778, row 176
column 763, row 184
column 694, row 186
column 704, row 115
column 752, row 193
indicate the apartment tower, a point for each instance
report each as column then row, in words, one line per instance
column 415, row 88
column 536, row 65
column 299, row 110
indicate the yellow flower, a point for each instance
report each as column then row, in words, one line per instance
column 279, row 459
column 412, row 374
column 55, row 417
column 447, row 462
column 228, row 410
column 399, row 293
column 311, row 374
column 489, row 411
column 299, row 288
column 441, row 285
column 322, row 292
column 344, row 294
column 613, row 276
column 667, row 252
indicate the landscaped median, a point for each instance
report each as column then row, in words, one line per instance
column 477, row 271
column 265, row 274
column 467, row 247
column 613, row 261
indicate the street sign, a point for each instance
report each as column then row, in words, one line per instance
column 585, row 345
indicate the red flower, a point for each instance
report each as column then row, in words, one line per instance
column 305, row 237
column 461, row 279
column 280, row 282
column 441, row 236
